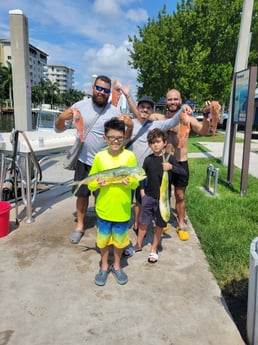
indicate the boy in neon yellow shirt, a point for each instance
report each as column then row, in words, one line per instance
column 113, row 204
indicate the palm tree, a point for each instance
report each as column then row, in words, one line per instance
column 7, row 80
column 54, row 91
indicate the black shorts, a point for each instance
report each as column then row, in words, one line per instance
column 150, row 211
column 81, row 172
column 179, row 180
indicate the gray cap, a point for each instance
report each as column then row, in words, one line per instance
column 146, row 99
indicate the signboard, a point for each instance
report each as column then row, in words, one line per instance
column 240, row 99
column 243, row 114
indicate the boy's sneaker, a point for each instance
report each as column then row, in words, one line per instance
column 120, row 276
column 101, row 278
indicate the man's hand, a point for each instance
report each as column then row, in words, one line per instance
column 67, row 114
column 187, row 109
column 60, row 120
column 126, row 90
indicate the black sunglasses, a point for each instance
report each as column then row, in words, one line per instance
column 100, row 88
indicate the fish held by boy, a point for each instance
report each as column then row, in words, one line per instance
column 164, row 204
column 116, row 175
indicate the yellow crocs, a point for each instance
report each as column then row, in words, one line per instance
column 165, row 228
column 183, row 234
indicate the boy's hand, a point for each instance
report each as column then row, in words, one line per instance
column 101, row 182
column 126, row 181
column 167, row 166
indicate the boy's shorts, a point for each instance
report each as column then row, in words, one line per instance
column 115, row 233
column 150, row 211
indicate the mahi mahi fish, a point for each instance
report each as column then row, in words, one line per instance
column 164, row 204
column 116, row 175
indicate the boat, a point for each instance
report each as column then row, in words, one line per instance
column 45, row 118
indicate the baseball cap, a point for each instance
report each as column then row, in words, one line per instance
column 146, row 99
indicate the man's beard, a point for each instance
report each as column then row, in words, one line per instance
column 175, row 108
column 99, row 100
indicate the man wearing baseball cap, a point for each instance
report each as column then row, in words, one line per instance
column 146, row 99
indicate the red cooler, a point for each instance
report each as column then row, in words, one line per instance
column 4, row 218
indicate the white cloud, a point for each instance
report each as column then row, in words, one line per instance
column 89, row 36
column 107, row 7
column 137, row 15
column 112, row 61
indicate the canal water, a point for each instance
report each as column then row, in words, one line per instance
column 7, row 122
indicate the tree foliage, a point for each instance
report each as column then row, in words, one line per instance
column 45, row 92
column 192, row 49
column 48, row 92
column 6, row 79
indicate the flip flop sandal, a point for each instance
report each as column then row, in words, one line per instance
column 153, row 258
column 128, row 252
column 137, row 249
column 76, row 236
column 136, row 230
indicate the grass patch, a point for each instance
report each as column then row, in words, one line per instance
column 194, row 139
column 225, row 224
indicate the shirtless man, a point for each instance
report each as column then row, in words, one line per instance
column 173, row 103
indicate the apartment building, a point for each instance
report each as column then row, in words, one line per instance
column 37, row 60
column 62, row 75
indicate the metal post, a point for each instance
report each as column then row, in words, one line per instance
column 20, row 70
column 2, row 175
column 216, row 177
column 241, row 60
column 252, row 315
column 212, row 172
column 29, row 218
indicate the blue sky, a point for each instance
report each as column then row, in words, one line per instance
column 89, row 36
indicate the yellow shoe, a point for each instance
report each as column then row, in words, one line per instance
column 183, row 234
column 165, row 228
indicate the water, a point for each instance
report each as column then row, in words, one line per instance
column 7, row 122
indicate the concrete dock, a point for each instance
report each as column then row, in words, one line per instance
column 48, row 295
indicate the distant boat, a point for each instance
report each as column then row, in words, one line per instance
column 46, row 118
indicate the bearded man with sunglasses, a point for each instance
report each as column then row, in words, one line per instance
column 95, row 112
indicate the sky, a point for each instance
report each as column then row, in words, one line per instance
column 89, row 36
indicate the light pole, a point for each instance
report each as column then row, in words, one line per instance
column 242, row 54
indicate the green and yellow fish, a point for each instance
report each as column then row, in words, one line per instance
column 164, row 204
column 116, row 175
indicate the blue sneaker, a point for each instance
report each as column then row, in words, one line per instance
column 101, row 278
column 120, row 276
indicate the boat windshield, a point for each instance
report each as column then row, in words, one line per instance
column 46, row 120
